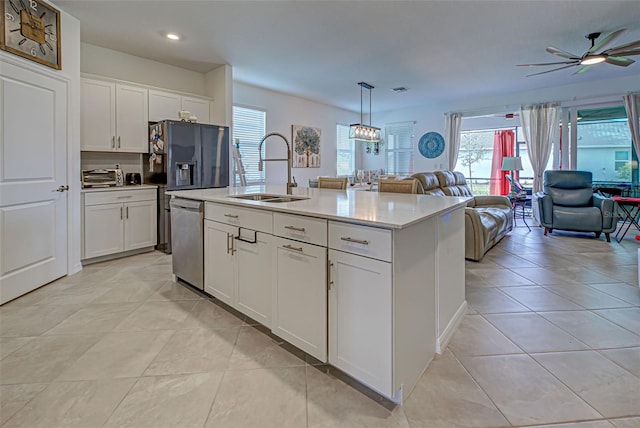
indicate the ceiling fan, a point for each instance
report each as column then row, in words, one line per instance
column 597, row 53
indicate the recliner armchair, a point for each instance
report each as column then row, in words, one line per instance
column 568, row 203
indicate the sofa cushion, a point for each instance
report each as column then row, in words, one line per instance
column 586, row 219
column 429, row 182
column 569, row 188
column 453, row 183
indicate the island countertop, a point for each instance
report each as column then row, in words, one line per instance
column 388, row 210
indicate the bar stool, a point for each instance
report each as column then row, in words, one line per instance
column 332, row 183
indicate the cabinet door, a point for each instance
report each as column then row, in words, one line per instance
column 97, row 116
column 253, row 295
column 219, row 261
column 300, row 296
column 132, row 117
column 140, row 226
column 360, row 319
column 163, row 105
column 197, row 107
column 103, row 230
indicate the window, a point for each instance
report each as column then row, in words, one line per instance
column 345, row 151
column 399, row 141
column 604, row 144
column 249, row 126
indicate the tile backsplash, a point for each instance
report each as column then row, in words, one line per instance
column 129, row 162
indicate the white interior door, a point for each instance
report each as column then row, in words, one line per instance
column 33, row 165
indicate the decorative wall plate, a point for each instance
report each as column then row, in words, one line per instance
column 431, row 145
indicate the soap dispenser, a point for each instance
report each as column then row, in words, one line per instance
column 119, row 176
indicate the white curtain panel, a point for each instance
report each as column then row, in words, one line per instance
column 631, row 105
column 452, row 137
column 539, row 126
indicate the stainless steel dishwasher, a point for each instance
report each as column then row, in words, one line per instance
column 187, row 227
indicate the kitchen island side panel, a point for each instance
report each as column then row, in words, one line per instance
column 450, row 275
column 414, row 306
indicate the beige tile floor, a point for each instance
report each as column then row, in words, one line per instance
column 552, row 338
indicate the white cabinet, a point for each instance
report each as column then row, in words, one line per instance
column 114, row 117
column 117, row 221
column 300, row 296
column 219, row 261
column 238, row 260
column 360, row 319
column 165, row 105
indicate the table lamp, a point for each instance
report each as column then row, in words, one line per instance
column 512, row 164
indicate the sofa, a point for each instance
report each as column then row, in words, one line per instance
column 487, row 218
column 568, row 203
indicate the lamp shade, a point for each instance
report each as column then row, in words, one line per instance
column 512, row 163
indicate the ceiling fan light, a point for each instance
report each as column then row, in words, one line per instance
column 593, row 59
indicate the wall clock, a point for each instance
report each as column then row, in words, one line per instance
column 31, row 28
column 431, row 145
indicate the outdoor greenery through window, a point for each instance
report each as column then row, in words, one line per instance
column 345, row 148
column 399, row 142
column 249, row 126
column 476, row 156
column 604, row 144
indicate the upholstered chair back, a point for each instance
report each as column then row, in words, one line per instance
column 569, row 188
column 453, row 183
column 428, row 184
column 398, row 186
column 332, row 183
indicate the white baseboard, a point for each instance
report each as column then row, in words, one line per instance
column 447, row 333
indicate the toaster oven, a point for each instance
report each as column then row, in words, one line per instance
column 98, row 178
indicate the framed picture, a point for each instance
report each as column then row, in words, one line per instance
column 306, row 146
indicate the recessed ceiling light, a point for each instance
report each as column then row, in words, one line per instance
column 173, row 36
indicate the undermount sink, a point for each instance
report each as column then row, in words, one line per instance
column 266, row 197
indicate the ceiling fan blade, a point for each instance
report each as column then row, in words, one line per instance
column 619, row 60
column 548, row 63
column 562, row 53
column 555, row 69
column 583, row 69
column 626, row 47
column 626, row 53
column 607, row 40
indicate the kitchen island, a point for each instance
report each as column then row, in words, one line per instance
column 372, row 283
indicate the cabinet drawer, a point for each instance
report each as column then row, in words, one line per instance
column 366, row 241
column 119, row 196
column 305, row 229
column 238, row 216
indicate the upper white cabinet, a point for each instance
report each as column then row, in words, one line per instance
column 165, row 105
column 114, row 117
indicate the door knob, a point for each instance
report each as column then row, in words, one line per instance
column 62, row 189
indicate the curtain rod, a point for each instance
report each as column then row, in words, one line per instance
column 510, row 108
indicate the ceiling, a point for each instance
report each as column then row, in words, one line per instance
column 319, row 50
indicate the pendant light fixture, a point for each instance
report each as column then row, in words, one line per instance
column 361, row 132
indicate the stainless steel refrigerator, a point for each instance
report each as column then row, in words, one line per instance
column 184, row 155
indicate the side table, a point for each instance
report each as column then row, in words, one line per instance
column 630, row 208
column 522, row 203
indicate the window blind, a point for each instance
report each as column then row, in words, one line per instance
column 345, row 151
column 399, row 141
column 249, row 126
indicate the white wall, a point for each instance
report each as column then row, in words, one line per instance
column 430, row 117
column 284, row 111
column 118, row 65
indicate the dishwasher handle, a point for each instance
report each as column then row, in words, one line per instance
column 187, row 204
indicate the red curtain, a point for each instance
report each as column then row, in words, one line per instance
column 503, row 146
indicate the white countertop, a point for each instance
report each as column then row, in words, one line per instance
column 388, row 210
column 116, row 188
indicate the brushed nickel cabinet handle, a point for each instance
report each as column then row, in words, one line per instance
column 113, row 142
column 289, row 247
column 120, row 213
column 231, row 215
column 127, row 210
column 297, row 229
column 118, row 142
column 357, row 241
